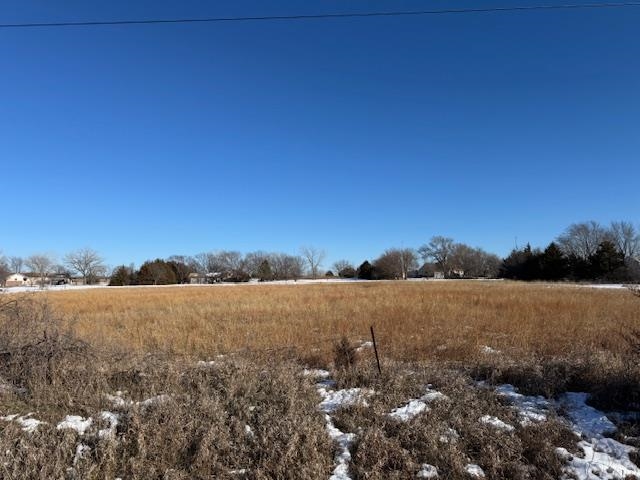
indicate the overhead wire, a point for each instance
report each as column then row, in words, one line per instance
column 320, row 16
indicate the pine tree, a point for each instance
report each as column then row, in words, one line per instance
column 608, row 262
column 365, row 271
column 554, row 265
column 121, row 276
column 264, row 271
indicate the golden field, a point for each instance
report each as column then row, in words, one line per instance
column 413, row 320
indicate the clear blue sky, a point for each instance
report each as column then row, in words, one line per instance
column 354, row 135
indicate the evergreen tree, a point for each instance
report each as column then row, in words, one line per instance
column 608, row 262
column 156, row 272
column 365, row 271
column 347, row 272
column 522, row 264
column 554, row 265
column 121, row 276
column 264, row 271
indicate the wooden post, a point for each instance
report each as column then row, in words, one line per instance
column 375, row 349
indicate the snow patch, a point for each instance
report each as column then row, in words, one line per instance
column 75, row 422
column 586, row 421
column 495, row 422
column 110, row 431
column 474, row 470
column 604, row 458
column 364, row 345
column 450, row 436
column 157, row 400
column 417, row 406
column 487, row 350
column 427, row 471
column 81, row 451
column 28, row 424
column 531, row 409
column 315, row 373
column 343, row 457
column 334, row 399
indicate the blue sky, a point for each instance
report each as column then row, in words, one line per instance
column 353, row 135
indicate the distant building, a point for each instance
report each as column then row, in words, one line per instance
column 17, row 280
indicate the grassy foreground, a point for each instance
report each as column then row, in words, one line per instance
column 413, row 320
column 253, row 413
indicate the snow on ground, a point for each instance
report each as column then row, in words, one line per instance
column 530, row 408
column 585, row 420
column 331, row 401
column 315, row 373
column 343, row 457
column 417, row 406
column 474, row 470
column 450, row 436
column 364, row 345
column 487, row 350
column 496, row 423
column 112, row 419
column 27, row 423
column 75, row 422
column 427, row 471
column 81, row 450
column 603, row 458
column 334, row 399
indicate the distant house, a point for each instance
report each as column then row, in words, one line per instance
column 17, row 280
column 204, row 278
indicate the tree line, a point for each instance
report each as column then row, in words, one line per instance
column 584, row 251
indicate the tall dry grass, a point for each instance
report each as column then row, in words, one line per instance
column 413, row 320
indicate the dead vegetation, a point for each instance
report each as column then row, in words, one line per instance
column 194, row 414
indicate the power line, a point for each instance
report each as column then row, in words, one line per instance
column 321, row 16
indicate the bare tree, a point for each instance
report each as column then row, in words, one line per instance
column 16, row 264
column 87, row 263
column 341, row 265
column 41, row 265
column 182, row 266
column 439, row 249
column 254, row 260
column 344, row 269
column 314, row 257
column 4, row 270
column 474, row 262
column 396, row 263
column 284, row 266
column 626, row 239
column 581, row 240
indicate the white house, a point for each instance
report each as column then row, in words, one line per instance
column 17, row 280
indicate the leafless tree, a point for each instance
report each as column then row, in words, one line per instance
column 626, row 238
column 439, row 249
column 344, row 268
column 87, row 263
column 474, row 262
column 284, row 266
column 16, row 264
column 341, row 265
column 182, row 266
column 253, row 261
column 314, row 257
column 41, row 265
column 4, row 270
column 396, row 263
column 581, row 240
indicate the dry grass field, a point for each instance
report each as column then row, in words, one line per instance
column 128, row 363
column 413, row 320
